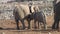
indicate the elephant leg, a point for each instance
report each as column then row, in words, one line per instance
column 56, row 24
column 35, row 24
column 45, row 24
column 22, row 21
column 28, row 24
column 38, row 24
column 45, row 27
column 17, row 22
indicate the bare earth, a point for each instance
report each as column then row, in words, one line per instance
column 9, row 27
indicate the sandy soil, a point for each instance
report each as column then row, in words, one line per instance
column 9, row 27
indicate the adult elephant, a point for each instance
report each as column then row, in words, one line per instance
column 20, row 12
column 56, row 16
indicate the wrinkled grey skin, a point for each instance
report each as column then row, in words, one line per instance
column 39, row 16
column 36, row 15
column 20, row 12
column 56, row 16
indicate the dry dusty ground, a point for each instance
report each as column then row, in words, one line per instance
column 9, row 27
